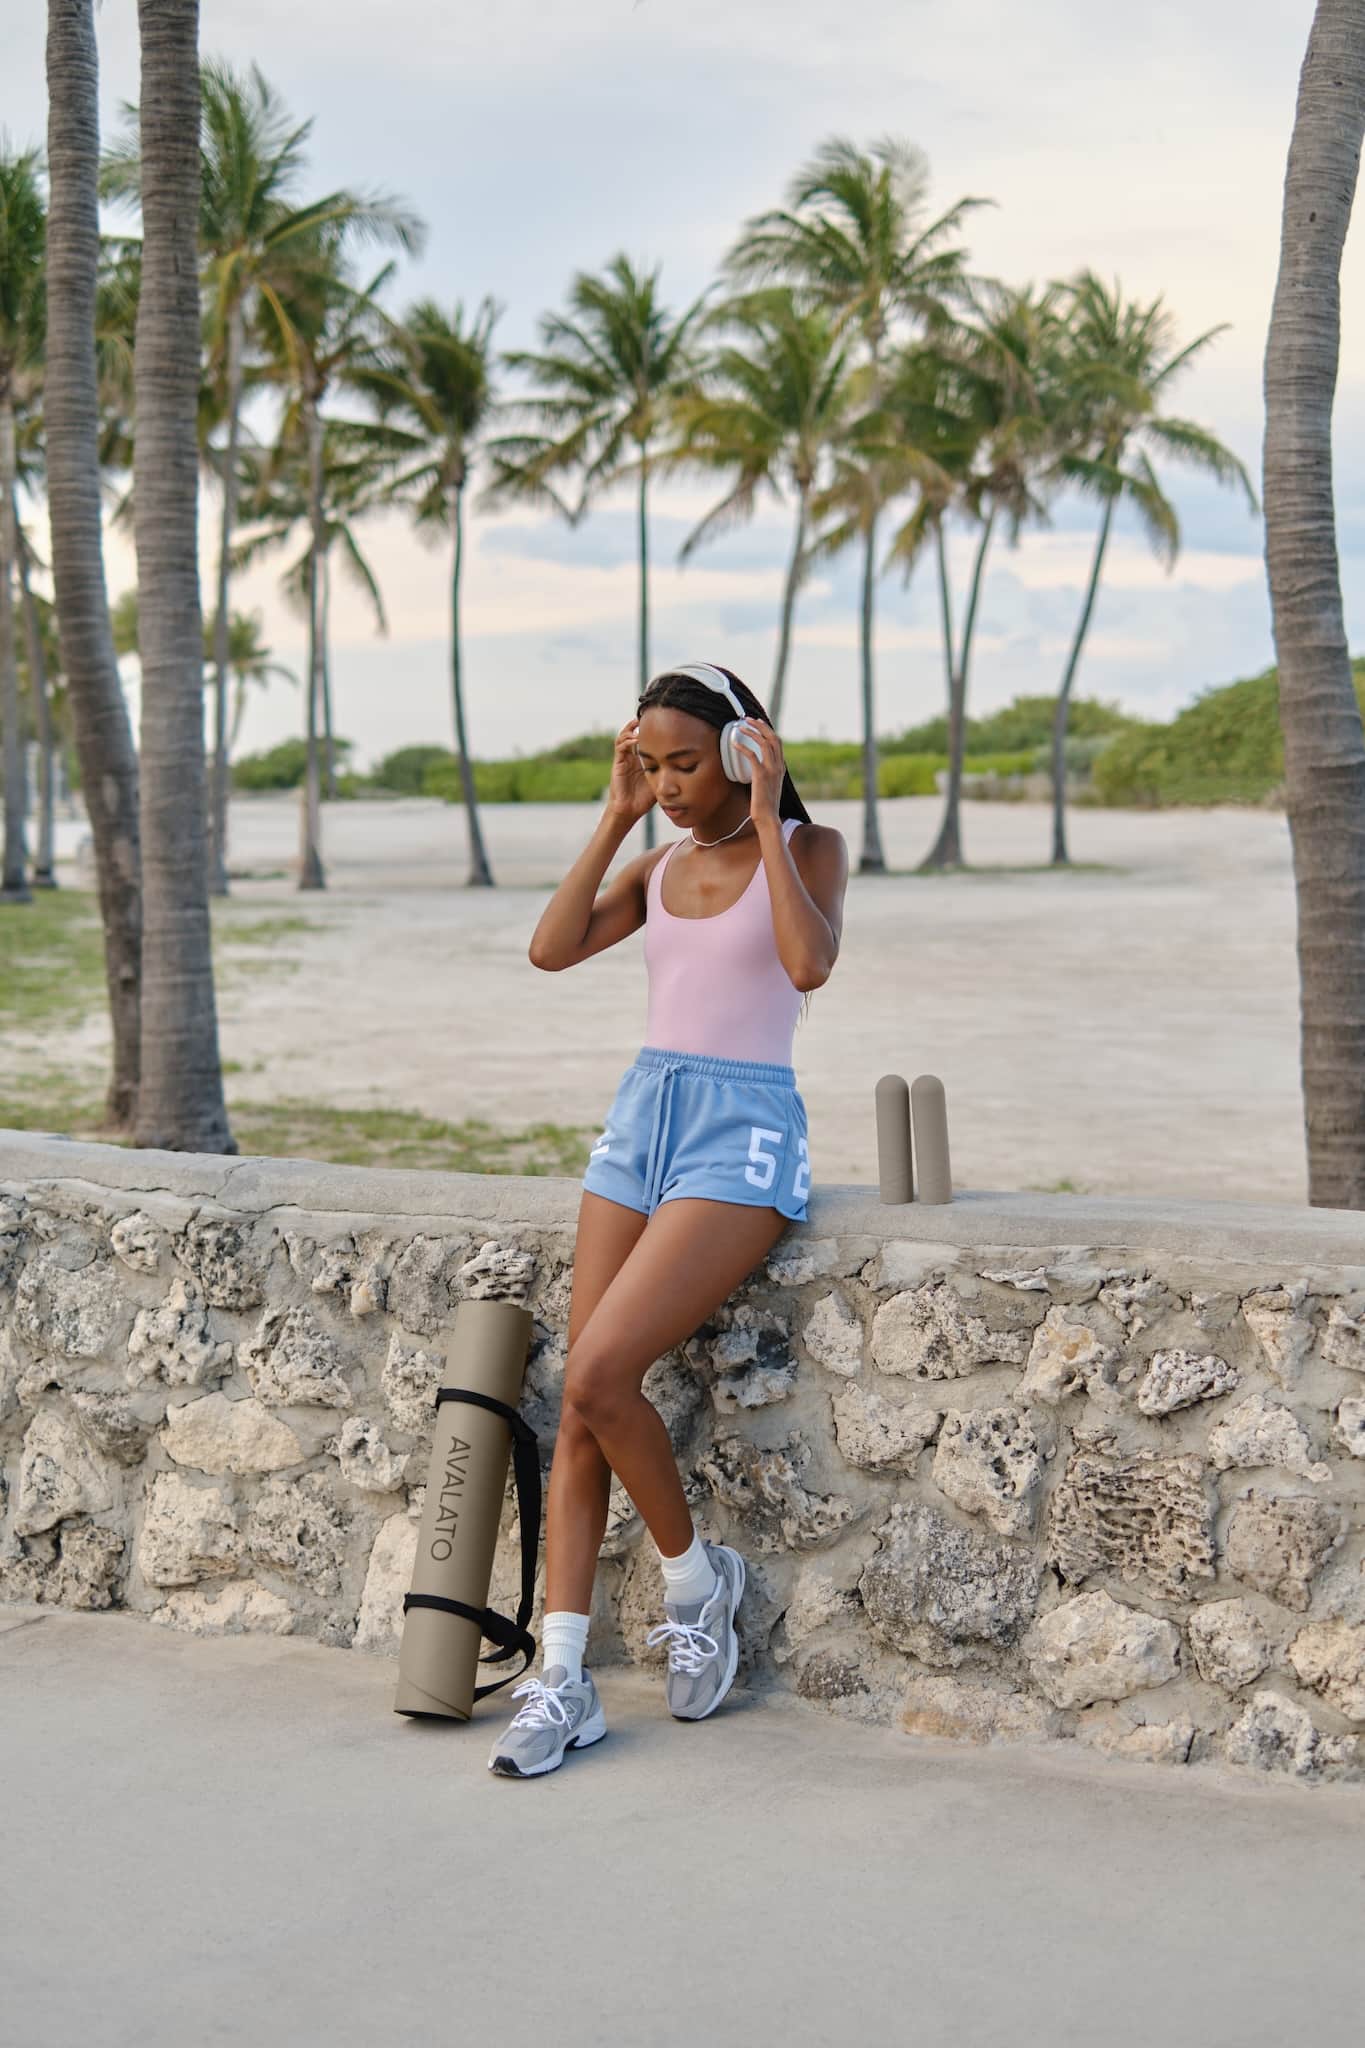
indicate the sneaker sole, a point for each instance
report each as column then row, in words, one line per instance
column 732, row 1660
column 593, row 1729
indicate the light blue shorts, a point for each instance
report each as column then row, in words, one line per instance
column 688, row 1123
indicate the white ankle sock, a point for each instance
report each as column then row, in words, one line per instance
column 563, row 1639
column 692, row 1576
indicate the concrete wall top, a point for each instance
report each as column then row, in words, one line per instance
column 1214, row 1229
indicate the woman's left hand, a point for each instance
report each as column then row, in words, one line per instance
column 765, row 790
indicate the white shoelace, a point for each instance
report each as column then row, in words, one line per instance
column 543, row 1706
column 685, row 1639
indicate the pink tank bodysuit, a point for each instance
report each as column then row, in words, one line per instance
column 717, row 984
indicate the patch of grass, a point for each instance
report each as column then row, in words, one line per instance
column 1053, row 1187
column 51, row 959
column 298, row 1129
column 238, row 930
column 52, row 955
column 53, row 1100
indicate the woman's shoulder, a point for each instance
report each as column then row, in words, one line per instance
column 808, row 833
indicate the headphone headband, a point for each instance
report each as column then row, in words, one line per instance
column 706, row 672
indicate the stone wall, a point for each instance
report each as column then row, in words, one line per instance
column 1024, row 1467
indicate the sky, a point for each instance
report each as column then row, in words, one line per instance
column 539, row 138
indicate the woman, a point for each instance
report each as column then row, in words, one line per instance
column 700, row 1165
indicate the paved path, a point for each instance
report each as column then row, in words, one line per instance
column 238, row 1841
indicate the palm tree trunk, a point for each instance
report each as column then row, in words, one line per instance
column 946, row 851
column 789, row 590
column 1060, row 857
column 1324, row 748
column 99, row 711
column 44, row 876
column 480, row 873
column 651, row 836
column 329, row 751
column 13, row 873
column 218, row 873
column 238, row 714
column 945, row 600
column 180, row 1102
column 872, row 861
column 311, row 874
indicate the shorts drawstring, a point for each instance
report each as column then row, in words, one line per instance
column 658, row 1129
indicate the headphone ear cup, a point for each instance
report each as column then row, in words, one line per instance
column 735, row 758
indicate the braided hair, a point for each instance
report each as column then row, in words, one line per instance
column 671, row 691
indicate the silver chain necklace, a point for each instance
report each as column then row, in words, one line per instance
column 724, row 835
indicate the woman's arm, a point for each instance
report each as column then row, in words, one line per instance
column 807, row 898
column 807, row 895
column 578, row 922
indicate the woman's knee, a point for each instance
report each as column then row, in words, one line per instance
column 595, row 1395
column 574, row 1432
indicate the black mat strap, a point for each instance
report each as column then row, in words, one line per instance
column 495, row 1626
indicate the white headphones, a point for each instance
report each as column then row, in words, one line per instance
column 738, row 749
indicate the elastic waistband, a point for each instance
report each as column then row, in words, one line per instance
column 775, row 1072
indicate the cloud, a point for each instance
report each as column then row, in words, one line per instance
column 539, row 139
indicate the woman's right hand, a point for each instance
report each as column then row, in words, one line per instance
column 629, row 795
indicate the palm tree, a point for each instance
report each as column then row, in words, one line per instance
column 1001, row 375
column 357, row 463
column 608, row 379
column 320, row 330
column 854, row 238
column 1119, row 358
column 116, row 296
column 36, row 674
column 252, row 160
column 435, row 398
column 22, row 234
column 180, row 1101
column 1324, row 748
column 99, row 713
column 250, row 660
column 767, row 408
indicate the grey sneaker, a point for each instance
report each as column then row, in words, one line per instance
column 561, row 1713
column 703, row 1648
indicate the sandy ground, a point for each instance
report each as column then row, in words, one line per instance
column 1133, row 1030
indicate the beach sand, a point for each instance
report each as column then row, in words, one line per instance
column 1127, row 1030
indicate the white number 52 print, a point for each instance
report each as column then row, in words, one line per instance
column 768, row 1163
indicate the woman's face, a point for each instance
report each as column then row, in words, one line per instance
column 680, row 758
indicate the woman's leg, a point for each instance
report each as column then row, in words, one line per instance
column 580, row 1478
column 690, row 1257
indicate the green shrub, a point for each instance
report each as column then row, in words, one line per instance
column 586, row 746
column 1026, row 723
column 906, row 775
column 537, row 779
column 282, row 767
column 1019, row 762
column 1226, row 747
column 404, row 770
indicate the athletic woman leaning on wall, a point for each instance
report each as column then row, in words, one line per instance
column 701, row 1162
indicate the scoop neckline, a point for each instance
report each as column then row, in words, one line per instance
column 711, row 915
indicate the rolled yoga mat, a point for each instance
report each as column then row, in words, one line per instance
column 446, row 1615
column 894, row 1171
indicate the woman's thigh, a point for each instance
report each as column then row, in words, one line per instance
column 607, row 1232
column 690, row 1257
